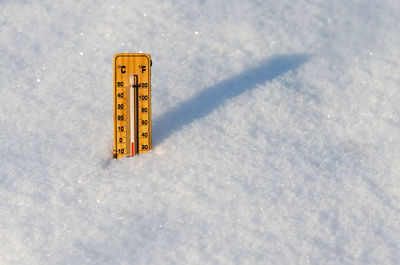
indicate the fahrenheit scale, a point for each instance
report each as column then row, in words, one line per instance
column 132, row 104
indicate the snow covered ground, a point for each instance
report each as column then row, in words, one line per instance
column 276, row 133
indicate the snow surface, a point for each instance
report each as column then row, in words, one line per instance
column 275, row 133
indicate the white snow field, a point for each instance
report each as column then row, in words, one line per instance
column 276, row 133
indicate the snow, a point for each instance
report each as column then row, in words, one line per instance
column 275, row 133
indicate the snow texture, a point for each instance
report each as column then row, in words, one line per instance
column 276, row 133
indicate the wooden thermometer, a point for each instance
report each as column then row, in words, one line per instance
column 132, row 104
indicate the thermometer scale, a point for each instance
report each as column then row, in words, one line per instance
column 132, row 104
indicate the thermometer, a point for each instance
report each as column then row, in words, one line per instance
column 132, row 104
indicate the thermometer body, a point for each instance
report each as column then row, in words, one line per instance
column 132, row 104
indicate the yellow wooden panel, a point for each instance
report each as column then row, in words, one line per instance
column 132, row 104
